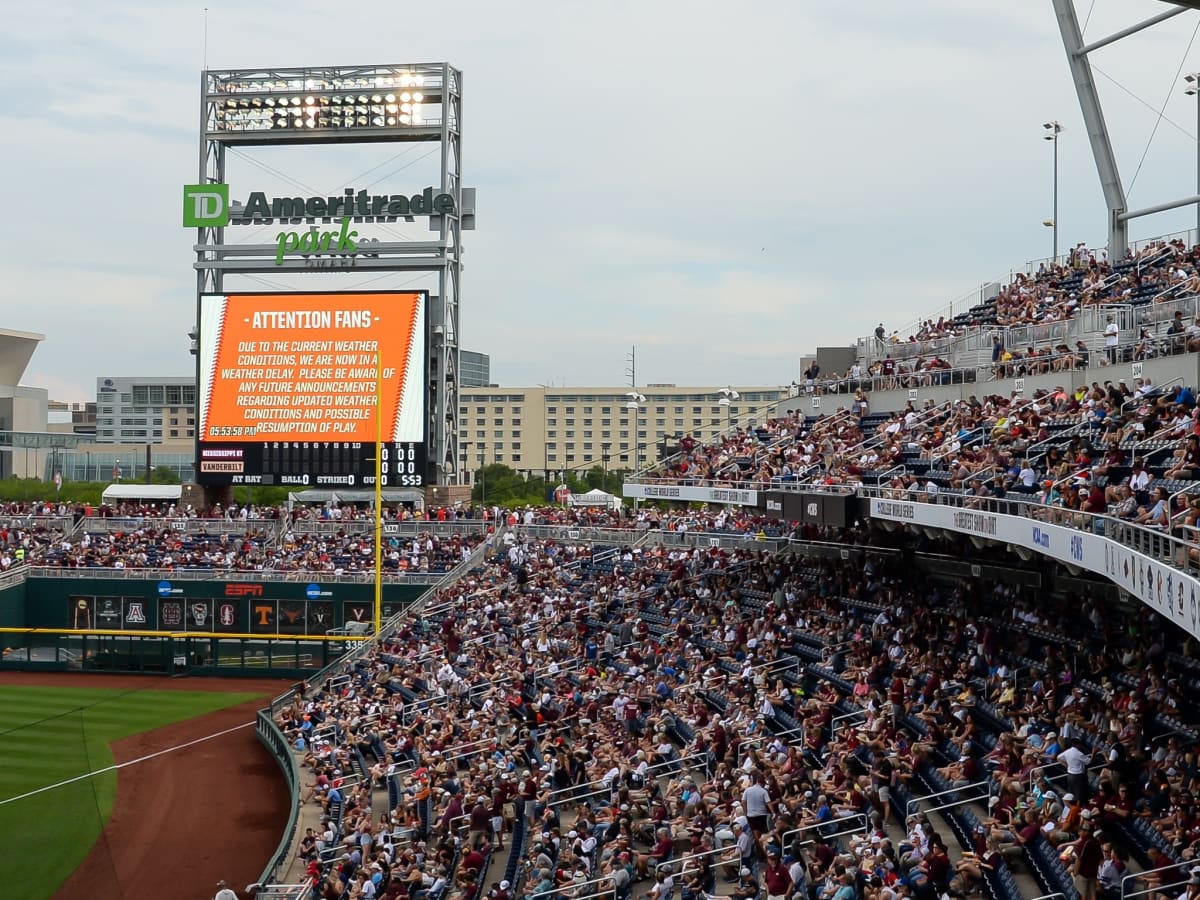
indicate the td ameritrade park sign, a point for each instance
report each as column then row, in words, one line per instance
column 208, row 206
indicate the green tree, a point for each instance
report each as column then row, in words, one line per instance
column 499, row 485
column 163, row 475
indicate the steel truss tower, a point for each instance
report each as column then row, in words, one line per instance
column 263, row 108
column 1119, row 214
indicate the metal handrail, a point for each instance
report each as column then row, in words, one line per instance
column 681, row 761
column 915, row 803
column 569, row 887
column 688, row 857
column 1053, row 778
column 837, row 820
column 1154, row 543
column 1153, row 890
column 1133, row 876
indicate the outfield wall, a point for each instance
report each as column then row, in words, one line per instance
column 12, row 601
column 207, row 605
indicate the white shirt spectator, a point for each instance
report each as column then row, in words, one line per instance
column 1075, row 760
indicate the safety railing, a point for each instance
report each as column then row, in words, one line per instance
column 1034, row 773
column 569, row 888
column 571, row 794
column 1163, row 889
column 1132, row 878
column 273, row 739
column 391, row 527
column 184, row 524
column 863, row 827
column 914, row 805
column 284, row 892
column 1156, row 544
column 686, row 858
column 843, row 720
column 39, row 570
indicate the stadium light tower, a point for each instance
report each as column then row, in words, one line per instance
column 1053, row 130
column 634, row 405
column 728, row 395
column 1193, row 90
column 404, row 103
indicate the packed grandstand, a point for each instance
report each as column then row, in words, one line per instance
column 722, row 702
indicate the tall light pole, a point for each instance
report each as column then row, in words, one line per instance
column 1053, row 130
column 728, row 395
column 1193, row 90
column 634, row 405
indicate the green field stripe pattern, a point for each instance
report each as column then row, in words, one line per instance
column 49, row 735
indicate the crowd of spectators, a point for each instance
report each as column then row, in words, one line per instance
column 1130, row 450
column 736, row 724
column 1027, row 321
column 345, row 545
column 740, row 454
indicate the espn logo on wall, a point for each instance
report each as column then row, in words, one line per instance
column 206, row 466
column 243, row 590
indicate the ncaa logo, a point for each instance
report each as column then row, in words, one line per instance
column 313, row 591
column 205, row 205
column 164, row 589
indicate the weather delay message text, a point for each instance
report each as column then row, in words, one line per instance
column 309, row 367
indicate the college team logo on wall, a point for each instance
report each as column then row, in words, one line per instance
column 171, row 614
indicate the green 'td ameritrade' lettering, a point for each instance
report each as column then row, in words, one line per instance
column 312, row 241
column 350, row 204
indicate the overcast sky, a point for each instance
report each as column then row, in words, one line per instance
column 724, row 186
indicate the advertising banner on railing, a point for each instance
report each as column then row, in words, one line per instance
column 691, row 494
column 1159, row 585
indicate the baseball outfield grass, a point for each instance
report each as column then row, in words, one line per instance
column 49, row 735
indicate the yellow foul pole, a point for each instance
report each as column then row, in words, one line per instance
column 378, row 491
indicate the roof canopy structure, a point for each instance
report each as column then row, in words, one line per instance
column 141, row 492
column 16, row 349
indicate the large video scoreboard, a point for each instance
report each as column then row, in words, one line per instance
column 289, row 384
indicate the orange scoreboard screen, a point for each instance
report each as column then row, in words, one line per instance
column 289, row 386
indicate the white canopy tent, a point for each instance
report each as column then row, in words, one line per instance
column 117, row 492
column 596, row 497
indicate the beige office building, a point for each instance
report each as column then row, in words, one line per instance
column 538, row 429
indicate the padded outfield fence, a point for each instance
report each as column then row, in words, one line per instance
column 156, row 652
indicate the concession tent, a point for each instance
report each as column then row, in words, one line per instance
column 596, row 497
column 117, row 492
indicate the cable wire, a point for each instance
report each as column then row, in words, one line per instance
column 1158, row 120
column 1182, row 130
column 1091, row 9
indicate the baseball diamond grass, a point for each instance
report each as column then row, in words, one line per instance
column 48, row 735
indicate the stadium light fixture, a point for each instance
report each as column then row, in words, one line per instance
column 1053, row 130
column 1193, row 90
column 634, row 403
column 386, row 99
column 728, row 395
